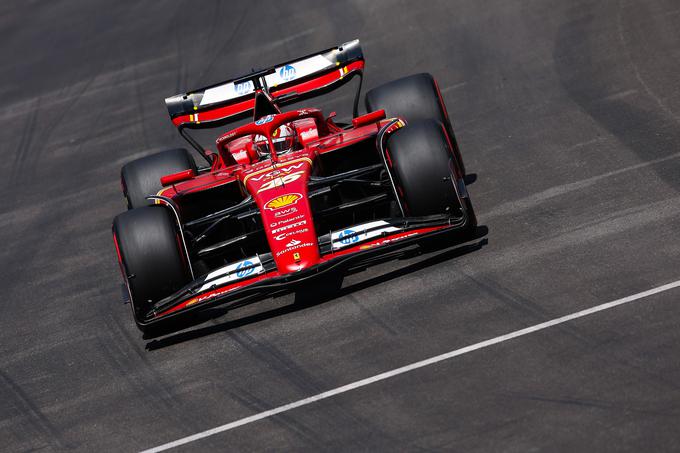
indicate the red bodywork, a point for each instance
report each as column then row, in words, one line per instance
column 279, row 185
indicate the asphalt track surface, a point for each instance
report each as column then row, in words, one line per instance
column 568, row 112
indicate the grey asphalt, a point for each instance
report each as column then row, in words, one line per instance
column 568, row 112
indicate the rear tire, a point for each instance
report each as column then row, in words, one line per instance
column 151, row 257
column 142, row 177
column 414, row 98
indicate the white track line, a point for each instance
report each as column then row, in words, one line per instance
column 411, row 367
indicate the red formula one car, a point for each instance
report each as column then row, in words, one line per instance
column 291, row 195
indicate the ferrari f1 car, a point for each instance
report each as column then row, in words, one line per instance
column 291, row 195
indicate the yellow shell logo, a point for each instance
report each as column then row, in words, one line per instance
column 282, row 201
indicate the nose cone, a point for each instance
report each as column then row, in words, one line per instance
column 281, row 194
column 292, row 238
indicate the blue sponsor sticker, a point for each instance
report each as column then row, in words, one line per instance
column 243, row 88
column 264, row 120
column 241, row 272
column 287, row 73
column 348, row 237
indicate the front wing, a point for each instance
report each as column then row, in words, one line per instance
column 340, row 249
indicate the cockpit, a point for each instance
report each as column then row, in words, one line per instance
column 272, row 135
column 284, row 140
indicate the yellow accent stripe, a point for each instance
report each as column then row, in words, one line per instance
column 272, row 168
column 160, row 193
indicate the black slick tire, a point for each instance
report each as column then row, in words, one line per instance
column 422, row 164
column 141, row 178
column 151, row 255
column 414, row 98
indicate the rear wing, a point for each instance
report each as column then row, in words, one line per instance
column 282, row 84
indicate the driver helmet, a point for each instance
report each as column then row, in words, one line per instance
column 261, row 147
column 283, row 139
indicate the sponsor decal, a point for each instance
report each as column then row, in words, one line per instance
column 279, row 171
column 309, row 134
column 285, row 212
column 264, row 120
column 219, row 93
column 296, row 256
column 302, row 68
column 360, row 233
column 287, row 73
column 281, row 181
column 226, row 137
column 243, row 88
column 266, row 176
column 293, row 243
column 208, row 296
column 348, row 236
column 284, row 221
column 282, row 201
column 241, row 156
column 283, row 236
column 269, row 173
column 232, row 272
column 387, row 241
column 241, row 272
column 288, row 227
column 294, row 247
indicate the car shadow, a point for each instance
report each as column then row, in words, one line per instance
column 303, row 302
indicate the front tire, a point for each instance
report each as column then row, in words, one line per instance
column 423, row 166
column 151, row 256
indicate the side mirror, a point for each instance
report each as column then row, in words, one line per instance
column 212, row 157
column 368, row 118
column 180, row 176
